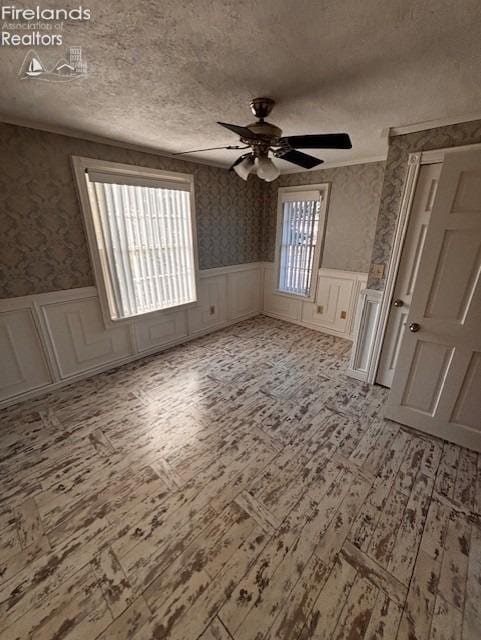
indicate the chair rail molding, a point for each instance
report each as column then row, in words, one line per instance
column 365, row 328
column 52, row 339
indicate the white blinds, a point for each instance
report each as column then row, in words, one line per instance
column 300, row 221
column 144, row 237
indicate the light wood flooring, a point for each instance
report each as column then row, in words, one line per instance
column 238, row 487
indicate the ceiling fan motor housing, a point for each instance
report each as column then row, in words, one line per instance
column 261, row 107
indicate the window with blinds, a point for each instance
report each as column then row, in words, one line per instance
column 143, row 231
column 299, row 241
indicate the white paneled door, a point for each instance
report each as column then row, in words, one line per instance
column 437, row 382
column 420, row 215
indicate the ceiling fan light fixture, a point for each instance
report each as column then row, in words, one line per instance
column 266, row 169
column 244, row 168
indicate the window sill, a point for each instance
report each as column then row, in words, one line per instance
column 295, row 296
column 108, row 321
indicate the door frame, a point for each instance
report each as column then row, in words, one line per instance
column 415, row 160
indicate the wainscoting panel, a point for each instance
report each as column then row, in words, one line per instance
column 211, row 312
column 244, row 293
column 23, row 361
column 276, row 304
column 79, row 338
column 334, row 306
column 50, row 339
column 365, row 327
column 159, row 329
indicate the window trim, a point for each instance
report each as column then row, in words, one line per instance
column 80, row 167
column 324, row 189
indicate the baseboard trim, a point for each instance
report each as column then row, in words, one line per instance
column 357, row 375
column 308, row 325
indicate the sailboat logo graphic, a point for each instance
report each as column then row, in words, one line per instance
column 35, row 67
column 64, row 70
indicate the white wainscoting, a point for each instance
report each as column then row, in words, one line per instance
column 48, row 340
column 154, row 331
column 24, row 364
column 245, row 299
column 333, row 309
column 365, row 327
column 78, row 336
column 212, row 312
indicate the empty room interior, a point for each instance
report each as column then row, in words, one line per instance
column 240, row 320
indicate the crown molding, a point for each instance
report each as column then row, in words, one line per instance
column 432, row 124
column 90, row 137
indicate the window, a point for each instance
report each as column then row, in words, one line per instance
column 300, row 232
column 140, row 228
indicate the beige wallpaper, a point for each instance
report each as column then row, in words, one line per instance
column 42, row 242
column 396, row 167
column 351, row 218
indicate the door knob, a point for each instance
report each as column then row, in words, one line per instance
column 414, row 327
column 398, row 303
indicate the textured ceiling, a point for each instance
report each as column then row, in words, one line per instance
column 162, row 72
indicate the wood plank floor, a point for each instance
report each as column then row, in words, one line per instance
column 239, row 487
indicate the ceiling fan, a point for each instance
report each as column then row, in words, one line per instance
column 265, row 140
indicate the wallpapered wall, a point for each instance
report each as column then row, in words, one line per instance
column 43, row 246
column 351, row 217
column 396, row 167
column 42, row 242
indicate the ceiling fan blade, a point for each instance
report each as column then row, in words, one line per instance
column 243, row 132
column 319, row 141
column 230, row 146
column 238, row 161
column 301, row 159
